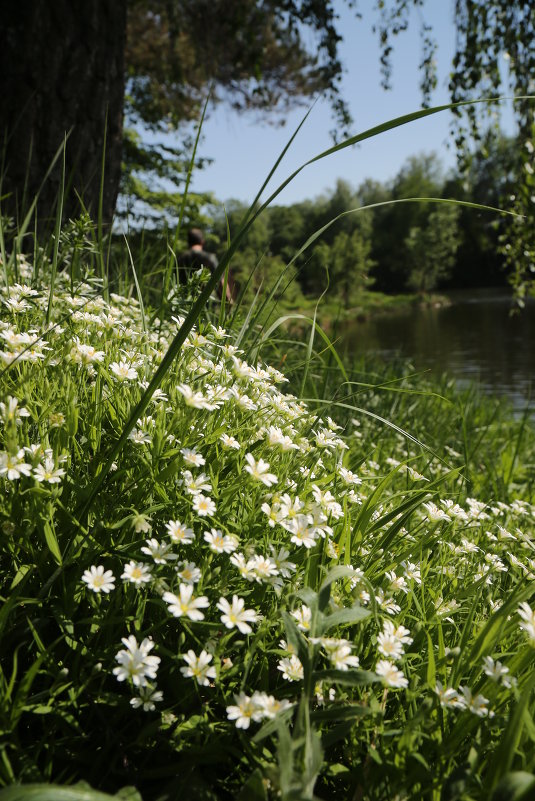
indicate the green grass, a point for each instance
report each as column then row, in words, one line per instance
column 372, row 553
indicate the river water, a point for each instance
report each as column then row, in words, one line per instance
column 475, row 339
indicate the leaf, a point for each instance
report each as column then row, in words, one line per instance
column 352, row 614
column 284, row 758
column 254, row 788
column 54, row 792
column 296, row 639
column 515, row 786
column 431, row 667
column 51, row 541
column 128, row 794
column 351, row 678
column 338, row 713
column 333, row 575
column 313, row 760
column 503, row 756
column 271, row 726
column 337, row 733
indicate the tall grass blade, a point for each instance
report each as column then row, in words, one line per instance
column 214, row 279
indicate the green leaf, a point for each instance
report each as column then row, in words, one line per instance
column 54, row 792
column 431, row 667
column 503, row 756
column 351, row 678
column 128, row 794
column 296, row 639
column 254, row 788
column 284, row 758
column 271, row 726
column 352, row 614
column 515, row 786
column 338, row 713
column 333, row 575
column 51, row 541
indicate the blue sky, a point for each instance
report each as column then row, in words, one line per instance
column 244, row 149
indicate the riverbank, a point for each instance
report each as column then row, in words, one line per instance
column 370, row 304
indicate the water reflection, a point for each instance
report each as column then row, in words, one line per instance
column 475, row 339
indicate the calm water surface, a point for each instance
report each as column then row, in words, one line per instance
column 474, row 339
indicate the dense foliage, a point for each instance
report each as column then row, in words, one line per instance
column 395, row 246
column 268, row 597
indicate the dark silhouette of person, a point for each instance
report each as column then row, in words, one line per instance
column 196, row 257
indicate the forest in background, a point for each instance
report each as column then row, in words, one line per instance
column 397, row 247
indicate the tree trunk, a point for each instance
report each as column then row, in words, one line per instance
column 61, row 72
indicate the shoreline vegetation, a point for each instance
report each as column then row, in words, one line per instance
column 371, row 304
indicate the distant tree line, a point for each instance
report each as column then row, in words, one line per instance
column 393, row 247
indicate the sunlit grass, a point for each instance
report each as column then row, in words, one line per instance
column 326, row 599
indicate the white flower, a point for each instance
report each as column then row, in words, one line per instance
column 390, row 675
column 391, row 640
column 244, row 711
column 496, row 671
column 194, row 399
column 203, row 505
column 189, row 573
column 99, row 580
column 276, row 438
column 14, row 466
column 179, row 533
column 235, row 615
column 434, row 513
column 291, row 668
column 140, row 437
column 86, row 354
column 198, row 667
column 303, row 616
column 528, row 616
column 48, row 472
column 191, row 456
column 147, row 699
column 259, row 470
column 137, row 573
column 449, row 697
column 397, row 583
column 135, row 663
column 269, row 705
column 412, row 572
column 220, row 543
column 338, row 651
column 348, row 476
column 141, row 523
column 262, row 567
column 284, row 567
column 159, row 551
column 341, row 656
column 11, row 411
column 246, row 567
column 302, row 532
column 185, row 603
column 477, row 705
column 123, row 371
column 230, row 442
column 196, row 484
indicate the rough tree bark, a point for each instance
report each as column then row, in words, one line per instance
column 61, row 72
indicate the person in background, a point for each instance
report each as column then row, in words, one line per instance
column 196, row 257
